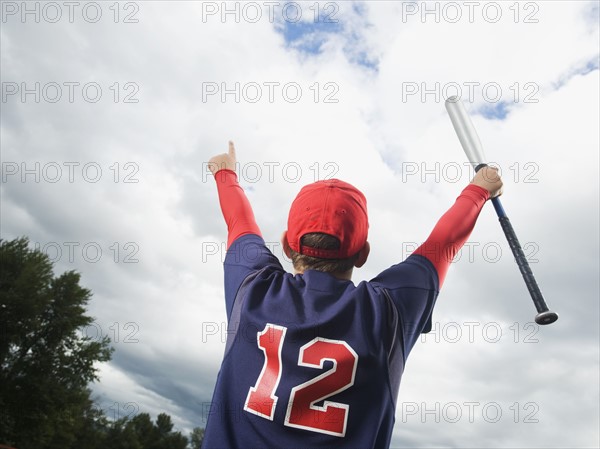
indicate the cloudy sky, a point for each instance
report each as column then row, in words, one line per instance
column 111, row 110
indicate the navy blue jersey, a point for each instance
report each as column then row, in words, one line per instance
column 312, row 358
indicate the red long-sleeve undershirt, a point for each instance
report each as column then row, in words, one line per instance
column 235, row 207
column 448, row 236
column 453, row 229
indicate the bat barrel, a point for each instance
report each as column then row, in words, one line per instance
column 465, row 131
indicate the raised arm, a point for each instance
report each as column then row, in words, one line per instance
column 453, row 229
column 234, row 203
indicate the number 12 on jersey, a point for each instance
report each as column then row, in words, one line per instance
column 302, row 413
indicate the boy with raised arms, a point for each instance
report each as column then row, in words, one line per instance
column 311, row 359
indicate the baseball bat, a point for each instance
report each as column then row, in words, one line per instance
column 472, row 145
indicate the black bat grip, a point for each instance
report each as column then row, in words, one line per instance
column 544, row 316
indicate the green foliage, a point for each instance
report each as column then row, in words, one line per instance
column 141, row 433
column 46, row 364
column 92, row 433
column 196, row 437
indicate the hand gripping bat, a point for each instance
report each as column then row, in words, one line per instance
column 470, row 142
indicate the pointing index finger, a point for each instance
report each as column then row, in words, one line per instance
column 231, row 148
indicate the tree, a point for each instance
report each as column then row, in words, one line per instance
column 167, row 439
column 196, row 437
column 140, row 432
column 144, row 428
column 92, row 433
column 122, row 435
column 45, row 364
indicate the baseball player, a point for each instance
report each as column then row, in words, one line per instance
column 311, row 359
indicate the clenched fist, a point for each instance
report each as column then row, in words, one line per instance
column 489, row 179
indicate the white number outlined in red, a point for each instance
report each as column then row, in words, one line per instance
column 331, row 418
column 261, row 397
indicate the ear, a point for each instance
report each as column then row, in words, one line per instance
column 363, row 254
column 285, row 244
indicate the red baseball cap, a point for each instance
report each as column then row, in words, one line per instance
column 330, row 207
